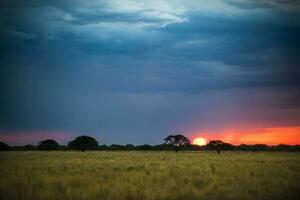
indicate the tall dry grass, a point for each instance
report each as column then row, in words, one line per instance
column 149, row 175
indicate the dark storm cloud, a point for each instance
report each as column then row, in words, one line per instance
column 144, row 68
column 255, row 4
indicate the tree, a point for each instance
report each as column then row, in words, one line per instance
column 244, row 147
column 130, row 147
column 177, row 141
column 83, row 143
column 260, row 147
column 117, row 147
column 29, row 147
column 214, row 145
column 102, row 147
column 161, row 147
column 48, row 145
column 218, row 145
column 295, row 148
column 4, row 146
column 144, row 147
column 281, row 147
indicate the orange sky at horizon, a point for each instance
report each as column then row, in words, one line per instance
column 269, row 136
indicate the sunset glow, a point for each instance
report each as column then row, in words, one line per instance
column 199, row 141
column 269, row 136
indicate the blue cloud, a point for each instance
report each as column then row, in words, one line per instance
column 140, row 67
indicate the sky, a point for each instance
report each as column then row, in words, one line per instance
column 128, row 71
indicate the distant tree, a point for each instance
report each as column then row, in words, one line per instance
column 161, row 147
column 214, row 145
column 4, row 146
column 63, row 148
column 177, row 141
column 17, row 148
column 260, row 147
column 130, row 147
column 117, row 147
column 48, row 145
column 194, row 147
column 295, row 148
column 244, row 147
column 218, row 145
column 102, row 147
column 29, row 147
column 144, row 147
column 281, row 147
column 83, row 143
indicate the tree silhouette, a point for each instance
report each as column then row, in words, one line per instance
column 260, row 147
column 29, row 147
column 177, row 141
column 83, row 143
column 281, row 147
column 215, row 145
column 218, row 145
column 48, row 145
column 144, row 147
column 4, row 146
column 130, row 147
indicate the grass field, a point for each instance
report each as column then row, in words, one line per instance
column 149, row 175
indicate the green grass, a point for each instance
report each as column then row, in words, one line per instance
column 149, row 175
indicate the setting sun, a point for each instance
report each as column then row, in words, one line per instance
column 199, row 141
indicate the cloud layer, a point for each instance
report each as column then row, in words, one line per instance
column 134, row 71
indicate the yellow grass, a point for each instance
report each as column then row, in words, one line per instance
column 149, row 175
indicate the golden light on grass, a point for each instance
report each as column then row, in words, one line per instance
column 199, row 141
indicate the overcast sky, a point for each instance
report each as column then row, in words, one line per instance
column 130, row 71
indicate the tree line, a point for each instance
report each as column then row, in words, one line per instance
column 171, row 143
